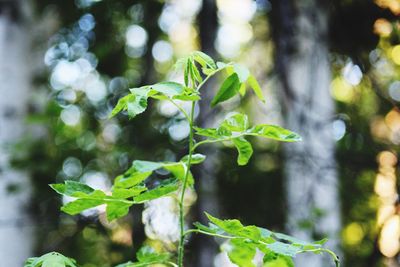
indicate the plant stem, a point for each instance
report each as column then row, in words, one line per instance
column 181, row 204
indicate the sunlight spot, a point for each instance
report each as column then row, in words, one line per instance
column 339, row 129
column 389, row 239
column 396, row 54
column 136, row 36
column 353, row 234
column 72, row 167
column 162, row 51
column 352, row 74
column 71, row 115
column 179, row 131
column 341, row 90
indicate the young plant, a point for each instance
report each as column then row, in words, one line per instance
column 130, row 188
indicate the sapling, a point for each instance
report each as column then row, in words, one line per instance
column 130, row 188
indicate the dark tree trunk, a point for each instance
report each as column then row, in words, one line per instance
column 206, row 248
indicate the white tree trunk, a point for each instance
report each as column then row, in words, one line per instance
column 310, row 168
column 16, row 232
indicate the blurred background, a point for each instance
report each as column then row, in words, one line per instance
column 329, row 69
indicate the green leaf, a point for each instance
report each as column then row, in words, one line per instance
column 122, row 104
column 229, row 88
column 163, row 189
column 147, row 256
column 236, row 228
column 86, row 201
column 131, row 178
column 52, row 259
column 168, row 88
column 245, row 150
column 242, row 253
column 275, row 260
column 115, row 210
column 245, row 239
column 146, row 166
column 194, row 72
column 274, row 132
column 236, row 122
column 196, row 158
column 128, row 193
column 71, row 188
column 204, row 60
column 252, row 81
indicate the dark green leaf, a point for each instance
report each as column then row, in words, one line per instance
column 229, row 88
column 115, row 210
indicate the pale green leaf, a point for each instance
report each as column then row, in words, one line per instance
column 204, row 59
column 52, row 259
column 274, row 132
column 242, row 253
column 244, row 149
column 196, row 158
column 252, row 82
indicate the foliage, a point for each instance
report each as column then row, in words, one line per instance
column 132, row 187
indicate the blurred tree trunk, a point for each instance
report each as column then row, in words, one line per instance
column 302, row 62
column 16, row 231
column 207, row 173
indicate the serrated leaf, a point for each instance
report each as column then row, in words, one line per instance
column 229, row 88
column 244, row 149
column 252, row 82
column 273, row 245
column 52, row 259
column 163, row 189
column 236, row 228
column 274, row 132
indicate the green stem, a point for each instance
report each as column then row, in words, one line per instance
column 180, row 108
column 181, row 204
